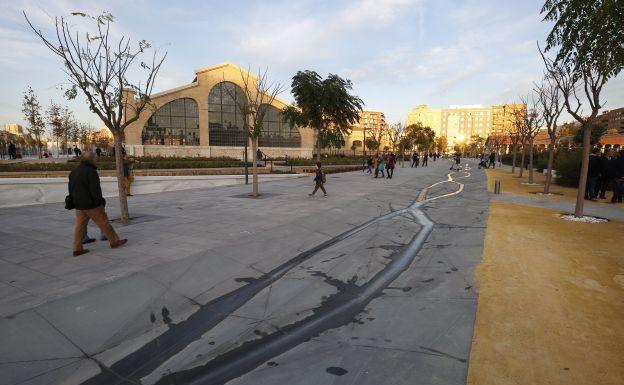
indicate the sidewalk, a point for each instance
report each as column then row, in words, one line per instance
column 280, row 260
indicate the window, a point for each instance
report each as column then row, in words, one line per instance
column 225, row 122
column 276, row 132
column 357, row 143
column 175, row 123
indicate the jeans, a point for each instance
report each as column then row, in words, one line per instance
column 618, row 187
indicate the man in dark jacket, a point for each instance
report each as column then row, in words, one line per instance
column 593, row 175
column 617, row 168
column 603, row 182
column 86, row 196
column 319, row 180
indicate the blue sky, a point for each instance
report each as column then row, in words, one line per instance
column 398, row 53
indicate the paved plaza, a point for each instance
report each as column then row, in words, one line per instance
column 374, row 284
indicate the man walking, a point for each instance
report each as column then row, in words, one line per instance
column 492, row 160
column 12, row 150
column 85, row 195
column 425, row 159
column 414, row 159
column 603, row 182
column 319, row 180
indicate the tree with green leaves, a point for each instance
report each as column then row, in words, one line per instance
column 586, row 39
column 99, row 64
column 325, row 105
column 441, row 144
column 371, row 144
column 259, row 95
column 420, row 136
column 32, row 114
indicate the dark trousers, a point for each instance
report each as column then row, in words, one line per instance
column 590, row 188
column 601, row 186
column 377, row 171
column 414, row 163
column 491, row 163
column 618, row 190
column 424, row 162
column 390, row 172
column 319, row 185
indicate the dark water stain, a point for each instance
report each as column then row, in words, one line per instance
column 355, row 338
column 336, row 371
column 468, row 287
column 152, row 317
column 260, row 333
column 272, row 363
column 165, row 315
column 454, row 268
column 387, row 340
column 428, row 280
column 370, row 318
column 246, row 279
column 447, row 272
column 403, row 289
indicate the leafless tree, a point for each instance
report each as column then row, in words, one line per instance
column 578, row 86
column 259, row 94
column 396, row 134
column 533, row 123
column 551, row 106
column 519, row 139
column 98, row 65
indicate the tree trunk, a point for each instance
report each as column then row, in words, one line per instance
column 551, row 158
column 513, row 160
column 580, row 196
column 318, row 146
column 531, row 161
column 254, row 167
column 522, row 159
column 121, row 183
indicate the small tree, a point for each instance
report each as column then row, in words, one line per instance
column 421, row 136
column 323, row 104
column 259, row 95
column 32, row 114
column 441, row 144
column 587, row 37
column 371, row 144
column 98, row 65
column 532, row 123
column 551, row 106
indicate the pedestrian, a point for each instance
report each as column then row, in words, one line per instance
column 259, row 157
column 319, row 180
column 85, row 195
column 425, row 159
column 618, row 177
column 390, row 162
column 603, row 182
column 75, row 150
column 414, row 159
column 12, row 150
column 492, row 160
column 593, row 175
column 128, row 165
column 380, row 167
column 98, row 152
column 369, row 163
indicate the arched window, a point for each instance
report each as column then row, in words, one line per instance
column 276, row 132
column 175, row 123
column 225, row 122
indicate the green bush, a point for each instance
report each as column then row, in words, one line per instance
column 327, row 160
column 568, row 166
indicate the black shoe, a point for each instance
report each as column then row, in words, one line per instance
column 88, row 240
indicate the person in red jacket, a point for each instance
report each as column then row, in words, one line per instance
column 390, row 163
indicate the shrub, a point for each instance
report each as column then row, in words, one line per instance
column 568, row 166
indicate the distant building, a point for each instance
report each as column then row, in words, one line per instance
column 203, row 118
column 612, row 119
column 371, row 123
column 14, row 128
column 459, row 123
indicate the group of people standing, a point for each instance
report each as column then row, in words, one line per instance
column 425, row 158
column 381, row 164
column 605, row 169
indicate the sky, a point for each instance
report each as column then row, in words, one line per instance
column 398, row 53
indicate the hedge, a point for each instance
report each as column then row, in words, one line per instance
column 107, row 165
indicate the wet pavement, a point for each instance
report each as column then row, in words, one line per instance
column 373, row 285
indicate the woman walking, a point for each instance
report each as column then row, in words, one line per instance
column 381, row 166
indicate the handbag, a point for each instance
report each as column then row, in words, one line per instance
column 69, row 203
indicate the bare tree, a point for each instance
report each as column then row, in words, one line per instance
column 396, row 134
column 533, row 122
column 32, row 113
column 259, row 95
column 551, row 106
column 577, row 85
column 98, row 65
column 519, row 139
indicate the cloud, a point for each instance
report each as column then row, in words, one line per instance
column 300, row 33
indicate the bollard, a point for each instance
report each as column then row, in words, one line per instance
column 497, row 189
